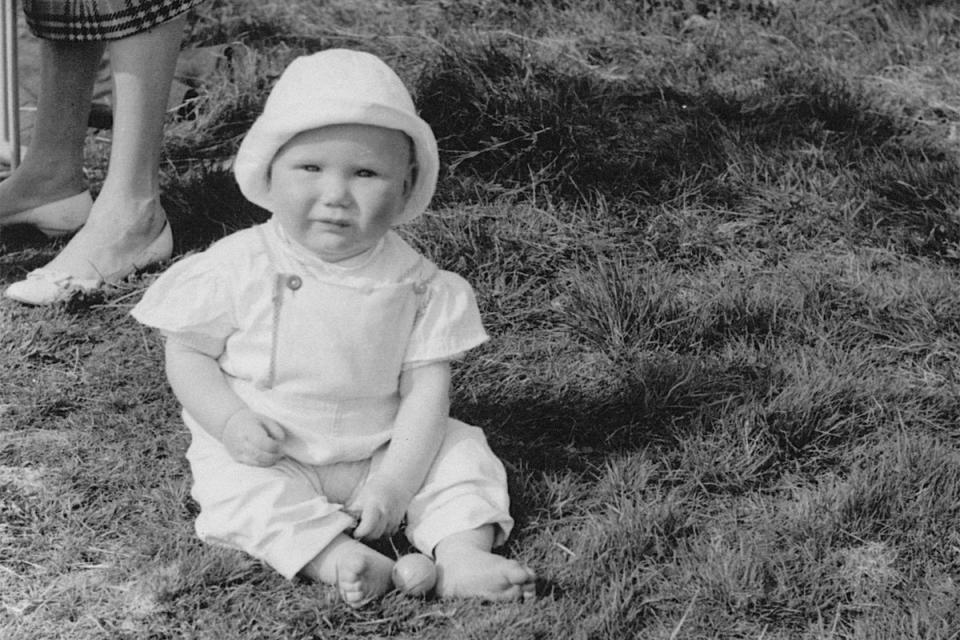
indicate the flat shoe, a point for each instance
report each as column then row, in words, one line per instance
column 58, row 218
column 44, row 286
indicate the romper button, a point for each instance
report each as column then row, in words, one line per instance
column 420, row 288
column 294, row 282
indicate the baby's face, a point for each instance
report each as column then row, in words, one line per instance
column 337, row 190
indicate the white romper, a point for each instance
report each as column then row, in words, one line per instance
column 319, row 348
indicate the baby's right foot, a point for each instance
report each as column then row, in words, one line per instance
column 359, row 573
column 363, row 576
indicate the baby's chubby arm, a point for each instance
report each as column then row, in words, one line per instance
column 417, row 435
column 199, row 384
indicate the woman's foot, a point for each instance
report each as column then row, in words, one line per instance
column 466, row 568
column 114, row 243
column 54, row 219
column 55, row 202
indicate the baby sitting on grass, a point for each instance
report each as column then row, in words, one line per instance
column 312, row 353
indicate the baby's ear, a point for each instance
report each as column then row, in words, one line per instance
column 410, row 180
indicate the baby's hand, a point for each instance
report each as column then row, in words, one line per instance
column 381, row 507
column 253, row 439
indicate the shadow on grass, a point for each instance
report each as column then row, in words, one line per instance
column 654, row 404
column 764, row 416
column 23, row 249
column 204, row 206
column 507, row 120
column 510, row 125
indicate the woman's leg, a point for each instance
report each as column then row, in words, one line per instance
column 52, row 169
column 126, row 222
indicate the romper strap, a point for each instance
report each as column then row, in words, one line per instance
column 422, row 273
column 281, row 281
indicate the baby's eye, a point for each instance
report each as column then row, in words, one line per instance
column 366, row 173
column 312, row 168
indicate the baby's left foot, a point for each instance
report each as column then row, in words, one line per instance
column 481, row 574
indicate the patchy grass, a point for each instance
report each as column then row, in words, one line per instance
column 716, row 243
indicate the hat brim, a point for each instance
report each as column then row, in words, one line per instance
column 267, row 136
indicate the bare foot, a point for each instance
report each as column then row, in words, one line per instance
column 474, row 573
column 363, row 576
column 359, row 573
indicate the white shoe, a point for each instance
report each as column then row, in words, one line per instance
column 58, row 218
column 46, row 286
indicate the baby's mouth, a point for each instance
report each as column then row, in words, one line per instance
column 341, row 224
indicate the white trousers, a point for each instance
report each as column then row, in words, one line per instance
column 286, row 514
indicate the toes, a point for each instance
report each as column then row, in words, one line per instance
column 513, row 593
column 350, row 570
column 519, row 584
column 520, row 575
column 528, row 591
column 510, row 594
column 350, row 581
column 355, row 599
column 361, row 579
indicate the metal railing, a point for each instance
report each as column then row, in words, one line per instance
column 10, row 76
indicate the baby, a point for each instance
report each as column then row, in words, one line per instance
column 312, row 353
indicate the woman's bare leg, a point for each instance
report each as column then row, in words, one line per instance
column 52, row 169
column 126, row 217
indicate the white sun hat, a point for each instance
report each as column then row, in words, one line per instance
column 335, row 86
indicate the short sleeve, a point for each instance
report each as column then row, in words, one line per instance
column 448, row 323
column 191, row 303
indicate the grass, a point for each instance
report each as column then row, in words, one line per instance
column 716, row 243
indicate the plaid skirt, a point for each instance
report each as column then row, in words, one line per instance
column 86, row 20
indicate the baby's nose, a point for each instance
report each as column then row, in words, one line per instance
column 334, row 190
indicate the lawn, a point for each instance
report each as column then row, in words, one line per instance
column 717, row 245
